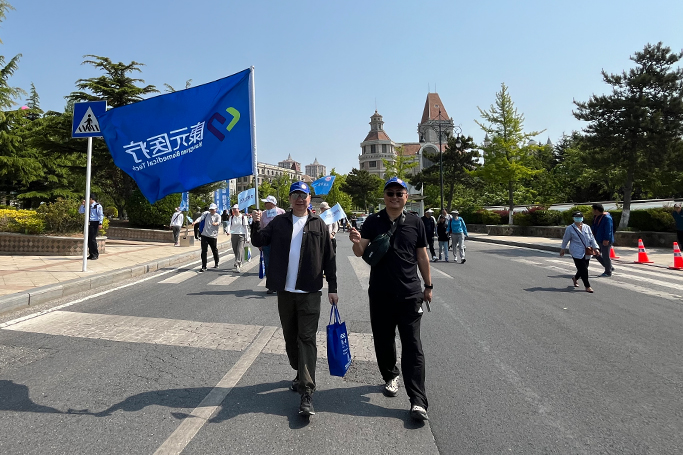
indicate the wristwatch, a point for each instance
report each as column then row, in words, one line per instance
column 429, row 286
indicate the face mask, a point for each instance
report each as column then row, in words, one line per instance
column 578, row 219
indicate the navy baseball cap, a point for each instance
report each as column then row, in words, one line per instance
column 397, row 181
column 299, row 186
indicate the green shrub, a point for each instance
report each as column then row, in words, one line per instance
column 587, row 211
column 658, row 220
column 143, row 214
column 522, row 219
column 544, row 217
column 616, row 217
column 490, row 217
column 111, row 211
column 62, row 216
column 472, row 215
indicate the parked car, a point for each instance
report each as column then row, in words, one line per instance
column 359, row 221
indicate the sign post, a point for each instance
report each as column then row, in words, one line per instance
column 85, row 124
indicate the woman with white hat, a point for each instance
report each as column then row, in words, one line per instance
column 239, row 235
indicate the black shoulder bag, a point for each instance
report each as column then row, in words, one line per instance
column 379, row 246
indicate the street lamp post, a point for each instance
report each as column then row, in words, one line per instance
column 458, row 144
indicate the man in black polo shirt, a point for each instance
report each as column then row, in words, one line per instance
column 396, row 294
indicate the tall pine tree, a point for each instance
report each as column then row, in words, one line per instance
column 636, row 130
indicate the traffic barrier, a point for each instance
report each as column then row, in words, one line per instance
column 612, row 254
column 642, row 254
column 678, row 259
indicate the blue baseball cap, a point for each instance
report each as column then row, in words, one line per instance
column 397, row 181
column 299, row 186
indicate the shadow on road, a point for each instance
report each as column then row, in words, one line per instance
column 273, row 398
column 245, row 293
column 15, row 397
column 542, row 289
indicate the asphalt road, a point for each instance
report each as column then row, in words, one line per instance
column 517, row 362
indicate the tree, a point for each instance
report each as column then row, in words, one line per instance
column 118, row 88
column 457, row 161
column 508, row 153
column 33, row 104
column 281, row 186
column 170, row 89
column 400, row 166
column 636, row 130
column 362, row 186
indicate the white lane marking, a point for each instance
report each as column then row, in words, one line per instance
column 226, row 280
column 637, row 278
column 180, row 277
column 262, row 283
column 362, row 270
column 187, row 430
column 65, row 305
column 527, row 261
column 361, row 346
column 669, row 276
column 542, row 405
column 134, row 329
column 444, row 274
column 613, row 281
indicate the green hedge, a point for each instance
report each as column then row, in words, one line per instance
column 143, row 214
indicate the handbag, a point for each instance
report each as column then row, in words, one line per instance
column 379, row 246
column 338, row 350
column 247, row 253
column 588, row 251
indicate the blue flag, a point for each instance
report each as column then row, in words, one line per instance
column 323, row 185
column 179, row 141
column 185, row 201
column 222, row 199
column 246, row 198
column 335, row 213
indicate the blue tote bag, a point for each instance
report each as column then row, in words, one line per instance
column 338, row 350
column 261, row 267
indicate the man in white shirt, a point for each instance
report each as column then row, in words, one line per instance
column 301, row 251
column 209, row 234
column 176, row 224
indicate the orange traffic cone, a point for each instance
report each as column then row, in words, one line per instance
column 612, row 254
column 678, row 259
column 642, row 254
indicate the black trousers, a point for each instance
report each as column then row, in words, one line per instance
column 582, row 270
column 299, row 314
column 679, row 234
column 206, row 242
column 196, row 231
column 430, row 242
column 386, row 313
column 93, row 227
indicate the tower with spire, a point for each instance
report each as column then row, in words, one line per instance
column 289, row 163
column 434, row 116
column 376, row 147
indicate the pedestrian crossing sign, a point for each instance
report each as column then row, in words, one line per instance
column 85, row 123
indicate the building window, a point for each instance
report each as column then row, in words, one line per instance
column 373, row 163
column 384, row 148
column 372, row 148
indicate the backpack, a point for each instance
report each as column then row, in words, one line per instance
column 201, row 224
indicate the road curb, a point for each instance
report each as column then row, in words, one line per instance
column 44, row 294
column 555, row 249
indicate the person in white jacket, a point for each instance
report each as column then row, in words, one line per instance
column 239, row 235
column 176, row 224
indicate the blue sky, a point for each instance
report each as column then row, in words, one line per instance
column 321, row 66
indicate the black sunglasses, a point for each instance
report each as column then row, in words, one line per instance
column 298, row 195
column 397, row 193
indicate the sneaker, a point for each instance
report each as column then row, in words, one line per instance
column 434, row 258
column 270, row 291
column 391, row 387
column 419, row 413
column 295, row 384
column 203, row 269
column 463, row 261
column 612, row 269
column 215, row 266
column 306, row 407
column 238, row 269
column 606, row 275
column 177, row 244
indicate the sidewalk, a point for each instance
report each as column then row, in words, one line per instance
column 29, row 280
column 661, row 257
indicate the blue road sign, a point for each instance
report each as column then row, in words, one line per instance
column 85, row 122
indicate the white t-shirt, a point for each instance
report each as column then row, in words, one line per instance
column 295, row 253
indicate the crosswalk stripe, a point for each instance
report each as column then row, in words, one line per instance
column 641, row 270
column 567, row 267
column 179, row 278
column 441, row 273
column 262, row 283
column 226, row 280
column 362, row 271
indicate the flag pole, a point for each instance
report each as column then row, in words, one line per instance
column 253, row 133
column 86, row 206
